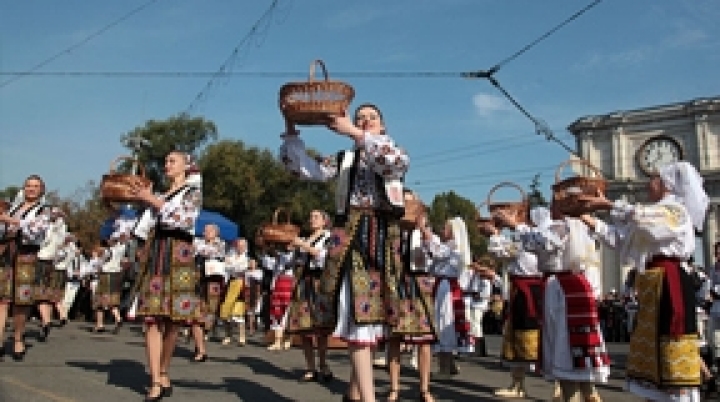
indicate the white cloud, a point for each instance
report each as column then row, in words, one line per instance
column 486, row 104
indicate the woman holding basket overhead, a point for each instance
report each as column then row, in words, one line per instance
column 369, row 198
column 168, row 295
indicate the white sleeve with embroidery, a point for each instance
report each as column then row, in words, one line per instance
column 438, row 249
column 181, row 212
column 660, row 222
column 34, row 228
column 294, row 156
column 501, row 247
column 384, row 157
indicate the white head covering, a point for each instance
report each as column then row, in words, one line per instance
column 460, row 236
column 685, row 183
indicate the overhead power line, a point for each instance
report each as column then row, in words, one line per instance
column 19, row 75
column 256, row 31
column 220, row 74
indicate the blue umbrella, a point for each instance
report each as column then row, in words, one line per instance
column 229, row 230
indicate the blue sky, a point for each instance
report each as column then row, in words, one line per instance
column 461, row 134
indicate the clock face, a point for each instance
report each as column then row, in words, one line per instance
column 657, row 152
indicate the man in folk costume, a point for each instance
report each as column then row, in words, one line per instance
column 521, row 334
column 573, row 348
column 232, row 310
column 477, row 290
column 664, row 361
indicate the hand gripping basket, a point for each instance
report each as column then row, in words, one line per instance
column 565, row 192
column 519, row 209
column 484, row 224
column 117, row 187
column 310, row 103
column 279, row 232
column 414, row 208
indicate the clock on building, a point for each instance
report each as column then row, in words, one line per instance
column 656, row 152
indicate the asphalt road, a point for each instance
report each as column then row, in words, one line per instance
column 76, row 365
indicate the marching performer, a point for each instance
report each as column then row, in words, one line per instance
column 664, row 362
column 232, row 310
column 413, row 319
column 168, row 292
column 281, row 292
column 368, row 199
column 253, row 301
column 521, row 332
column 477, row 290
column 310, row 255
column 573, row 348
column 69, row 263
column 24, row 226
column 451, row 257
column 210, row 260
column 50, row 282
column 109, row 277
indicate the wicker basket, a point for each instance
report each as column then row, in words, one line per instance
column 278, row 232
column 565, row 192
column 118, row 187
column 484, row 224
column 519, row 209
column 311, row 103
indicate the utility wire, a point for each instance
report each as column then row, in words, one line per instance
column 546, row 35
column 220, row 74
column 226, row 66
column 17, row 76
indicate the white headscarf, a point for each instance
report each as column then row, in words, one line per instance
column 685, row 183
column 541, row 217
column 460, row 237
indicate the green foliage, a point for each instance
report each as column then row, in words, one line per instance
column 535, row 196
column 247, row 184
column 178, row 133
column 8, row 193
column 449, row 205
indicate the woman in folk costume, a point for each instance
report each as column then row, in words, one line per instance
column 253, row 293
column 67, row 261
column 281, row 288
column 412, row 320
column 368, row 200
column 451, row 257
column 49, row 281
column 168, row 292
column 573, row 348
column 664, row 361
column 110, row 282
column 310, row 255
column 23, row 228
column 477, row 290
column 210, row 259
column 522, row 326
column 232, row 310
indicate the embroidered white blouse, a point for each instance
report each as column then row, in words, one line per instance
column 211, row 249
column 520, row 261
column 236, row 264
column 32, row 226
column 380, row 156
column 179, row 212
column 643, row 231
column 317, row 262
column 446, row 258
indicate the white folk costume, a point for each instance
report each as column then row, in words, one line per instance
column 301, row 312
column 110, row 275
column 573, row 349
column 521, row 335
column 49, row 281
column 450, row 260
column 69, row 261
column 368, row 199
column 664, row 361
column 19, row 255
column 168, row 287
column 477, row 291
column 413, row 316
column 210, row 260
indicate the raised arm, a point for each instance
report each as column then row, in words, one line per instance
column 294, row 156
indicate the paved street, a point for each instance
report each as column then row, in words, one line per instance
column 76, row 365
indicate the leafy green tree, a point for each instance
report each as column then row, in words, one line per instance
column 449, row 205
column 153, row 141
column 8, row 193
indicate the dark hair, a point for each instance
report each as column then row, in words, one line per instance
column 38, row 178
column 369, row 106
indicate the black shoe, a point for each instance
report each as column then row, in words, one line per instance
column 19, row 356
column 325, row 374
column 44, row 332
column 166, row 391
column 155, row 398
column 117, row 327
column 63, row 322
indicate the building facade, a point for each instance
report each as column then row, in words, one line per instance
column 627, row 146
